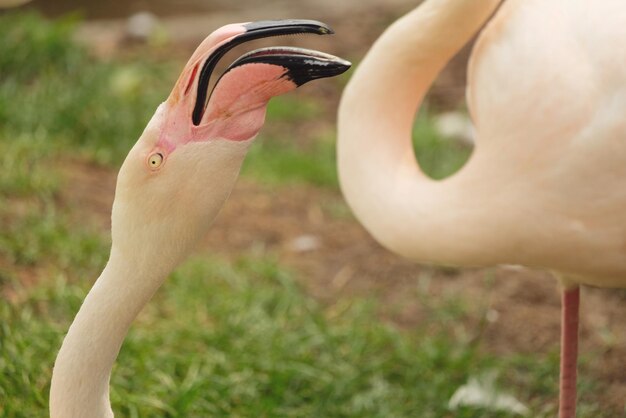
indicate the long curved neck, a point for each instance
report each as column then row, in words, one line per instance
column 80, row 381
column 405, row 210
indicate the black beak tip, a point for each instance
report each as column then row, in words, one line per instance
column 301, row 65
column 288, row 27
column 254, row 30
column 302, row 74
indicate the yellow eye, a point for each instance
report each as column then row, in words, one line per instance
column 155, row 160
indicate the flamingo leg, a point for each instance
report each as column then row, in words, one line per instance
column 569, row 352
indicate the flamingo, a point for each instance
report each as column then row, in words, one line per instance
column 545, row 184
column 170, row 188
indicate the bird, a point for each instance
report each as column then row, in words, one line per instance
column 169, row 189
column 544, row 186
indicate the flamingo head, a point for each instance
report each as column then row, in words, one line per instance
column 180, row 172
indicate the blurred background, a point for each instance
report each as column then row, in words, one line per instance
column 289, row 308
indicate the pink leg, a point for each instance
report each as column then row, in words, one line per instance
column 569, row 352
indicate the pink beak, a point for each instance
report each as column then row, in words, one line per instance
column 301, row 65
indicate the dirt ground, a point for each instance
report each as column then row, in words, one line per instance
column 514, row 310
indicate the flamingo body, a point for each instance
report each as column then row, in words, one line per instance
column 545, row 186
column 547, row 93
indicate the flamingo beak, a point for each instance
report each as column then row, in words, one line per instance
column 302, row 65
column 193, row 110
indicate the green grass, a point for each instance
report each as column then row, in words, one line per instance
column 437, row 157
column 32, row 224
column 27, row 167
column 279, row 162
column 52, row 91
column 293, row 109
column 241, row 339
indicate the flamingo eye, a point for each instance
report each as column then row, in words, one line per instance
column 155, row 160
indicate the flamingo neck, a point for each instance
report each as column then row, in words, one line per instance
column 405, row 210
column 80, row 380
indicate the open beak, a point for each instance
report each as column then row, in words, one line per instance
column 301, row 65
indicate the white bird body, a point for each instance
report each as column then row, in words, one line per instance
column 548, row 96
column 544, row 185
